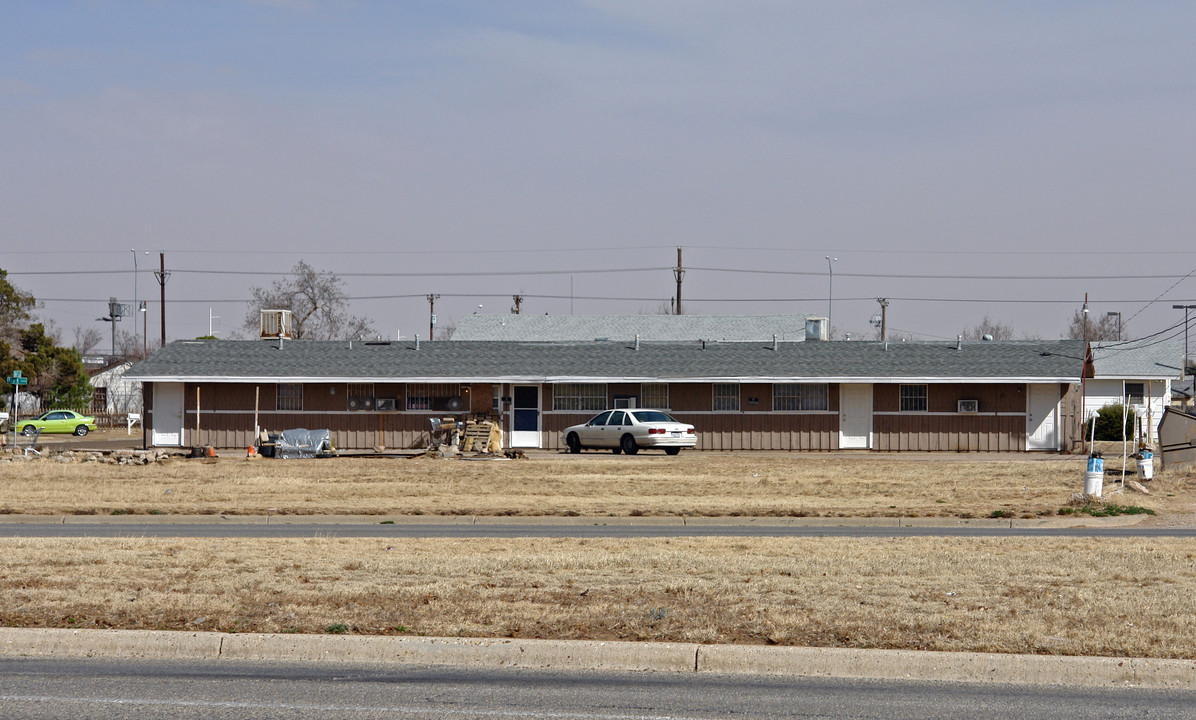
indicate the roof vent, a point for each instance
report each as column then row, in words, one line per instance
column 637, row 341
column 959, row 342
column 774, row 342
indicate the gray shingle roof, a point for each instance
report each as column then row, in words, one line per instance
column 651, row 328
column 480, row 361
column 1149, row 358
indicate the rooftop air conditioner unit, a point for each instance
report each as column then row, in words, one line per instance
column 276, row 324
column 816, row 328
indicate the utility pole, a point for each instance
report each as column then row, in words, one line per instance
column 432, row 298
column 1185, row 308
column 678, row 273
column 884, row 306
column 518, row 301
column 161, row 274
column 830, row 291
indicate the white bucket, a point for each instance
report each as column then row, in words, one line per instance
column 1146, row 468
column 1094, row 477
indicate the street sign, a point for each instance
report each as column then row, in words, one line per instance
column 16, row 379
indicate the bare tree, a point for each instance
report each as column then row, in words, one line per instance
column 989, row 327
column 86, row 339
column 317, row 302
column 1081, row 326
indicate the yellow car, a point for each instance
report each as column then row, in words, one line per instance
column 58, row 421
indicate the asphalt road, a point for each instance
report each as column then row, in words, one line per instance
column 42, row 689
column 239, row 528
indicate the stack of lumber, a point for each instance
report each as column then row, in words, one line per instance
column 482, row 436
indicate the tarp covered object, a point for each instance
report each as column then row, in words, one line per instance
column 302, row 443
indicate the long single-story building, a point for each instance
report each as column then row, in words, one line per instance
column 956, row 396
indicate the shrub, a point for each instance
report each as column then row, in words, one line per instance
column 1109, row 424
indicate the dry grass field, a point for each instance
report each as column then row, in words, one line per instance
column 1124, row 597
column 692, row 484
column 1042, row 595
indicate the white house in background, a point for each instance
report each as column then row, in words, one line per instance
column 1136, row 372
column 113, row 393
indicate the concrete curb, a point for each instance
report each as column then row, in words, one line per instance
column 598, row 655
column 472, row 652
column 950, row 666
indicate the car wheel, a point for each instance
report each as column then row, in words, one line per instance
column 672, row 451
column 574, row 443
column 81, row 430
column 28, row 430
column 628, row 445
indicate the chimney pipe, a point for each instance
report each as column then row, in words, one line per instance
column 637, row 341
column 417, row 342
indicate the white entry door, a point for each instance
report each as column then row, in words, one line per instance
column 525, row 416
column 168, row 415
column 855, row 417
column 1042, row 413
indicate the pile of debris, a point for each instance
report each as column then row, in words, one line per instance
column 450, row 437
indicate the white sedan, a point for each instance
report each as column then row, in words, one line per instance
column 629, row 430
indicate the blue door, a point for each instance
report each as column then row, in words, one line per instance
column 525, row 416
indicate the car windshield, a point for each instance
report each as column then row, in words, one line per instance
column 647, row 416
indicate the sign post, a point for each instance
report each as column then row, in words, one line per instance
column 16, row 380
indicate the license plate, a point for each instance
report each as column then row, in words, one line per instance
column 676, row 433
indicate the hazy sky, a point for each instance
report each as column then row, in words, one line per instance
column 1033, row 151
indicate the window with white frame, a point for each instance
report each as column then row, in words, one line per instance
column 434, row 396
column 796, row 397
column 726, row 396
column 913, row 398
column 288, row 396
column 654, row 395
column 579, row 396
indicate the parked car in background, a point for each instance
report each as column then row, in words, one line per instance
column 58, row 421
column 627, row 431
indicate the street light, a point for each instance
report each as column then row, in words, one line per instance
column 1111, row 313
column 830, row 290
column 135, row 303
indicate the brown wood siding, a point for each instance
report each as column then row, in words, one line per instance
column 692, row 397
column 946, row 397
column 956, row 433
column 481, row 398
column 760, row 392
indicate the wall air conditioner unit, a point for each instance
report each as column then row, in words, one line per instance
column 386, row 404
column 969, row 406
